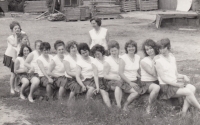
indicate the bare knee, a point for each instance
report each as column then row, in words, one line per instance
column 156, row 88
column 191, row 87
column 187, row 92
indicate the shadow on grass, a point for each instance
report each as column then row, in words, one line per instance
column 82, row 112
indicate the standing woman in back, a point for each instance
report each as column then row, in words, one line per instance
column 98, row 35
column 10, row 54
column 173, row 84
column 31, row 64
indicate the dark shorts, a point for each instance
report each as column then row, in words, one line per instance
column 8, row 62
column 73, row 85
column 89, row 82
column 167, row 91
column 103, row 85
column 114, row 83
column 59, row 82
column 144, row 86
column 44, row 81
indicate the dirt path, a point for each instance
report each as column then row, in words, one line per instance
column 11, row 117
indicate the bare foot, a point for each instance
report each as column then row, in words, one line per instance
column 148, row 109
column 12, row 91
column 17, row 89
column 22, row 97
column 126, row 108
column 30, row 99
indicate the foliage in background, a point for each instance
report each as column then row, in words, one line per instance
column 16, row 5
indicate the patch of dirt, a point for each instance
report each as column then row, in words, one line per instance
column 11, row 117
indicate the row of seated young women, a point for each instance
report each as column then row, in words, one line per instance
column 80, row 69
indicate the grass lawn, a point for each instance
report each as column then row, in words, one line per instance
column 185, row 46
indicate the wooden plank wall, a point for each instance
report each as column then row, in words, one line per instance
column 167, row 4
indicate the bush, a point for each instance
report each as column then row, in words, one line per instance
column 16, row 5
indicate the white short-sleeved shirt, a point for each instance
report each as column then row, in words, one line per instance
column 114, row 66
column 46, row 64
column 34, row 60
column 131, row 68
column 59, row 68
column 144, row 75
column 86, row 68
column 99, row 37
column 11, row 50
column 99, row 66
column 72, row 63
column 169, row 67
column 21, row 61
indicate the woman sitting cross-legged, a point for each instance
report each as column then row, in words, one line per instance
column 21, row 70
column 173, row 84
column 43, row 62
column 57, row 71
column 84, row 71
column 149, row 83
column 31, row 64
column 70, row 68
column 98, row 52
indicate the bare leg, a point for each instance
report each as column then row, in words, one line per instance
column 49, row 91
column 118, row 96
column 191, row 99
column 89, row 92
column 133, row 95
column 17, row 82
column 153, row 90
column 191, row 87
column 105, row 97
column 25, row 84
column 12, row 82
column 186, row 105
column 71, row 97
column 61, row 93
column 34, row 85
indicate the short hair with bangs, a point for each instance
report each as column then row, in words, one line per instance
column 13, row 24
column 84, row 47
column 150, row 42
column 163, row 43
column 45, row 46
column 130, row 42
column 59, row 43
column 113, row 44
column 98, row 48
column 71, row 43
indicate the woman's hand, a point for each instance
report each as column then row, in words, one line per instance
column 186, row 79
column 181, row 85
column 83, row 88
column 134, row 85
column 96, row 91
column 50, row 80
column 32, row 70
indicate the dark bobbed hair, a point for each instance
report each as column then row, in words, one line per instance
column 45, row 46
column 97, row 20
column 113, row 44
column 150, row 42
column 21, row 54
column 163, row 43
column 13, row 24
column 22, row 35
column 59, row 43
column 98, row 48
column 83, row 46
column 71, row 43
column 130, row 42
column 38, row 41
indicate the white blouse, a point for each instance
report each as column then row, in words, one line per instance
column 59, row 68
column 72, row 63
column 46, row 64
column 169, row 67
column 145, row 76
column 99, row 66
column 114, row 66
column 99, row 37
column 131, row 68
column 86, row 68
column 34, row 60
column 21, row 61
